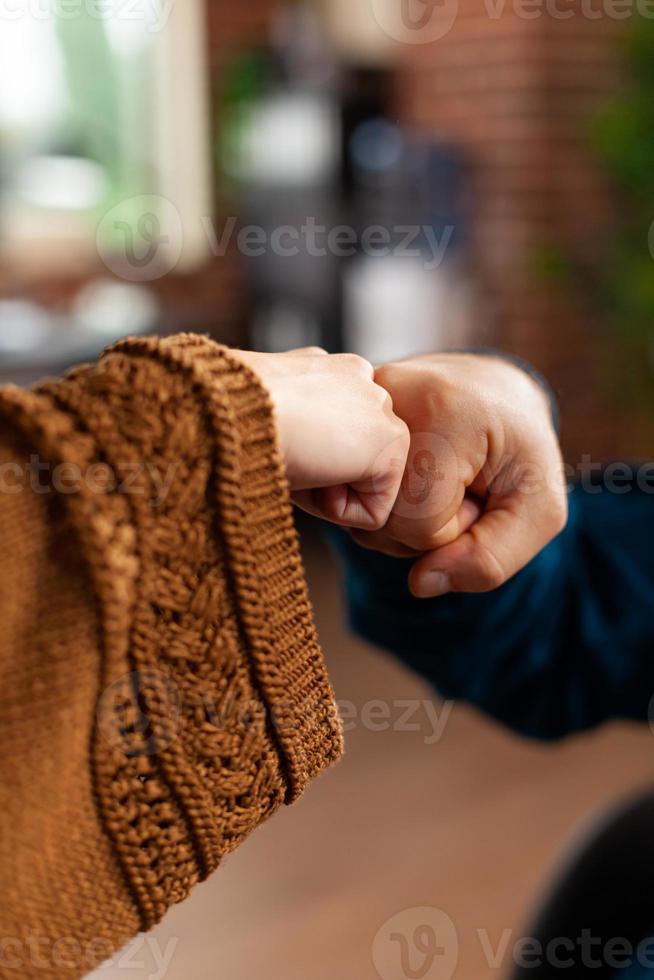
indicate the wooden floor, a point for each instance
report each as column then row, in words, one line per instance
column 468, row 828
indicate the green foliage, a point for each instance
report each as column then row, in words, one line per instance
column 551, row 266
column 108, row 105
column 623, row 134
column 244, row 81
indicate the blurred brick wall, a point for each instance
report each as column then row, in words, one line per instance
column 582, row 61
column 233, row 26
column 517, row 95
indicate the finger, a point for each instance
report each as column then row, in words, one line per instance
column 372, row 500
column 342, row 505
column 308, row 501
column 381, row 541
column 339, row 505
column 362, row 507
column 365, row 505
column 505, row 539
column 359, row 365
column 432, row 491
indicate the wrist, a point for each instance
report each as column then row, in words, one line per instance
column 265, row 368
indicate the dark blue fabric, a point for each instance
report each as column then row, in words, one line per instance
column 565, row 645
column 635, row 972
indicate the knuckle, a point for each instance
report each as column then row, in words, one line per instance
column 422, row 542
column 403, row 433
column 358, row 364
column 381, row 394
column 395, row 377
column 384, row 375
column 419, row 539
column 379, row 514
column 378, row 521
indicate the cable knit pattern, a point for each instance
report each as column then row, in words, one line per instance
column 209, row 705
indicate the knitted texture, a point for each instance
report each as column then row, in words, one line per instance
column 162, row 690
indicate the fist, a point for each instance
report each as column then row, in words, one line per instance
column 484, row 489
column 344, row 447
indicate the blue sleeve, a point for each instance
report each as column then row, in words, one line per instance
column 565, row 645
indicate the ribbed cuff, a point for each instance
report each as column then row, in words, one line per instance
column 256, row 521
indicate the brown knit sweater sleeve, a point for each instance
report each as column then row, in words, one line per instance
column 162, row 690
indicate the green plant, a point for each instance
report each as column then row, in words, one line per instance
column 623, row 136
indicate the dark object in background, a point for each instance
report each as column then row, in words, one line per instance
column 602, row 906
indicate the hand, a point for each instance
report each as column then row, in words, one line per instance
column 484, row 490
column 345, row 449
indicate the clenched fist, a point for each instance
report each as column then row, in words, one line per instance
column 484, row 490
column 345, row 449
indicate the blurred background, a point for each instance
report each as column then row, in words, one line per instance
column 388, row 177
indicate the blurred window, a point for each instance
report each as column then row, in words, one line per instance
column 94, row 111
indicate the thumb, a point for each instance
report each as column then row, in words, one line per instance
column 505, row 539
